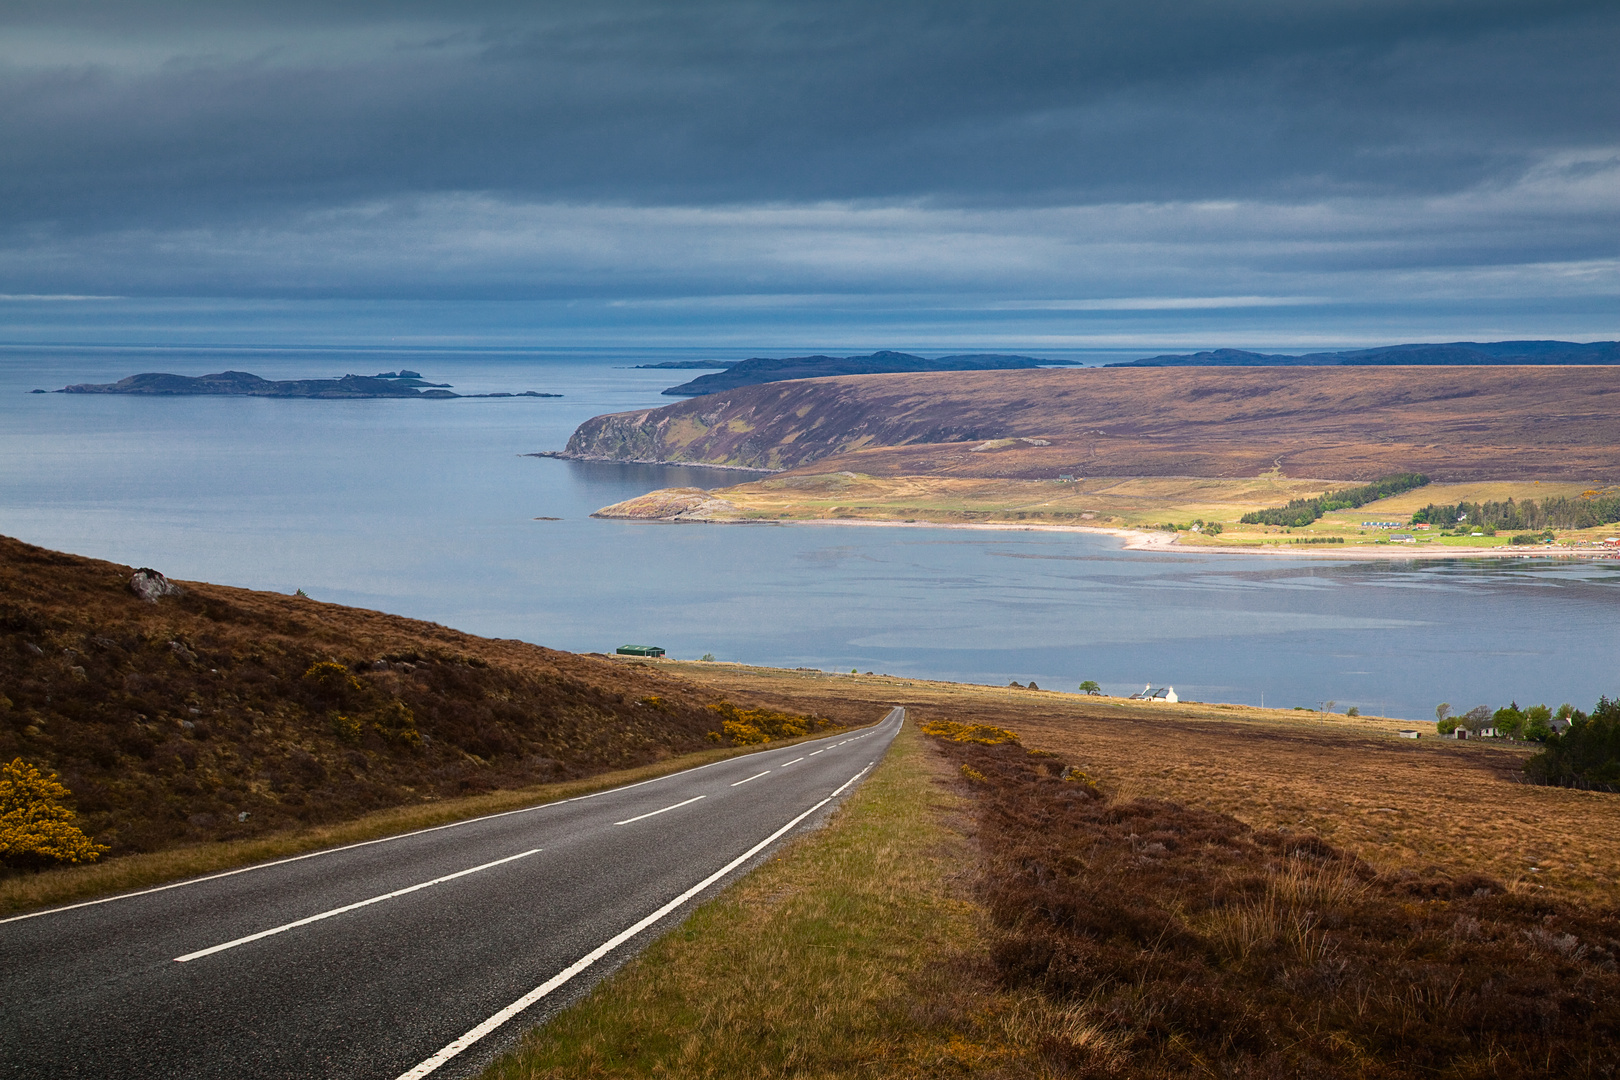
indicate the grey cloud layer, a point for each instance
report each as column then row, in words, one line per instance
column 550, row 147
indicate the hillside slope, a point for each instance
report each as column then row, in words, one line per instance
column 764, row 369
column 1451, row 353
column 1453, row 423
column 198, row 716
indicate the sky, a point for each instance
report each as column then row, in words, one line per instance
column 1134, row 174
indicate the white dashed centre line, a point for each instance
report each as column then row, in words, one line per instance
column 756, row 776
column 785, row 764
column 346, row 907
column 823, row 750
column 665, row 810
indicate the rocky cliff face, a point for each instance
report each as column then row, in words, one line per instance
column 782, row 425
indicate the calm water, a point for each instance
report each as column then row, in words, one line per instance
column 427, row 509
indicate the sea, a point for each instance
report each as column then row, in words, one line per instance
column 436, row 510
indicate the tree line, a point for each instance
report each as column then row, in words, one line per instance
column 1586, row 755
column 1585, row 511
column 1301, row 512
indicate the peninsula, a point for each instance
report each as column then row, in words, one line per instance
column 388, row 384
column 1179, row 456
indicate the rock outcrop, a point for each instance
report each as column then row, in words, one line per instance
column 150, row 585
column 673, row 504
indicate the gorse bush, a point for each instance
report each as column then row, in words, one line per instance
column 748, row 726
column 983, row 734
column 35, row 828
column 332, row 681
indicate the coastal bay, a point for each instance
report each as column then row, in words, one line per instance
column 428, row 513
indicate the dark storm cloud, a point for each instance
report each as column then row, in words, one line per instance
column 175, row 114
column 1338, row 149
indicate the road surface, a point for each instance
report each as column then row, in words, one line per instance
column 416, row 955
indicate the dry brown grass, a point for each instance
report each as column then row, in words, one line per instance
column 1190, row 944
column 1397, row 803
column 239, row 717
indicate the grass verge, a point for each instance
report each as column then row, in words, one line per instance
column 25, row 892
column 851, row 954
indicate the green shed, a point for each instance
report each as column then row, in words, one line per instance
column 640, row 650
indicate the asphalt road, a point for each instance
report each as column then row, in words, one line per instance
column 420, row 954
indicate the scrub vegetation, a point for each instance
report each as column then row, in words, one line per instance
column 216, row 714
column 1186, row 942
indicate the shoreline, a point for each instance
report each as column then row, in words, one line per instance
column 563, row 455
column 1166, row 543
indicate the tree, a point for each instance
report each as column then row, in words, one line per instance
column 1537, row 723
column 34, row 825
column 1443, row 723
column 1585, row 756
column 1508, row 720
column 1090, row 687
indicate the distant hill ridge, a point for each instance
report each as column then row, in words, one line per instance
column 764, row 369
column 1456, row 352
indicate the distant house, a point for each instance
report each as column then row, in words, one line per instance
column 1163, row 693
column 1402, row 538
column 640, row 650
column 1409, row 734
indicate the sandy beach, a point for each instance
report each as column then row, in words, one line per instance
column 1167, row 543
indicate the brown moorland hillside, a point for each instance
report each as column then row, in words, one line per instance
column 1455, row 424
column 226, row 713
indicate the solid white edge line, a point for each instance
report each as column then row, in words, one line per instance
column 358, row 844
column 756, row 776
column 665, row 810
column 365, row 843
column 212, row 949
column 850, row 781
column 602, row 950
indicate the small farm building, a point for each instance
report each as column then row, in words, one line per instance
column 640, row 650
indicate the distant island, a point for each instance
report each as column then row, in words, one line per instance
column 387, row 384
column 764, row 369
column 687, row 365
column 1456, row 352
